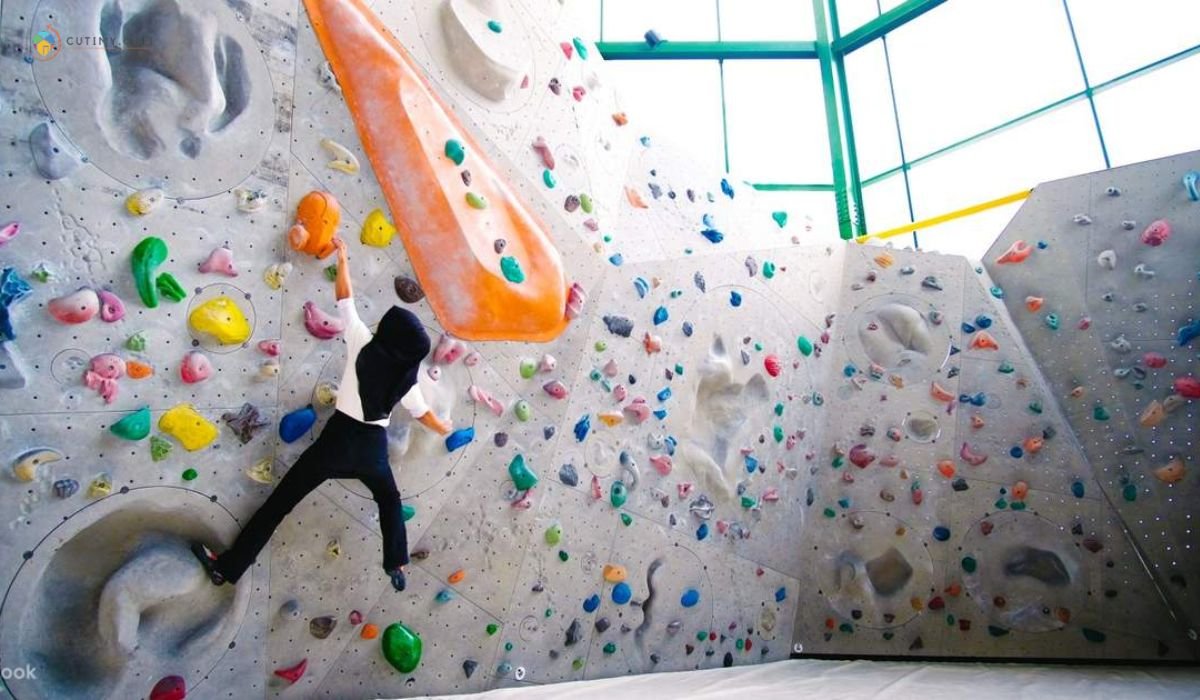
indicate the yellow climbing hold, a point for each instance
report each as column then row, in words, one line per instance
column 191, row 429
column 377, row 230
column 221, row 318
column 611, row 418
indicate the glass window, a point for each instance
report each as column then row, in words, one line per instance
column 776, row 120
column 679, row 20
column 853, row 14
column 874, row 120
column 964, row 67
column 1117, row 36
column 1058, row 144
column 583, row 16
column 812, row 216
column 970, row 236
column 1152, row 115
column 767, row 20
column 678, row 101
column 886, row 205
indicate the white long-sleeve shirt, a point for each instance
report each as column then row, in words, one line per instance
column 356, row 335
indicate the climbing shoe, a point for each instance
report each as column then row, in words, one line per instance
column 209, row 561
column 398, row 580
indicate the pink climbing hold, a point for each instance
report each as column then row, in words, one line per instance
column 637, row 410
column 195, row 368
column 970, row 456
column 578, row 93
column 575, row 301
column 772, row 365
column 1187, row 387
column 525, row 502
column 568, row 49
column 269, row 347
column 661, row 463
column 480, row 396
column 611, row 369
column 771, row 495
column 111, row 307
column 77, row 307
column 1156, row 233
column 169, row 688
column 1016, row 253
column 321, row 325
column 544, row 152
column 555, row 389
column 861, row 456
column 619, row 393
column 356, row 617
column 684, row 488
column 220, row 261
column 1154, row 360
column 597, row 493
column 9, row 232
column 448, row 350
column 547, row 364
column 472, row 359
column 102, row 375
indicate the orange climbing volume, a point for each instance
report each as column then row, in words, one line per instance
column 450, row 229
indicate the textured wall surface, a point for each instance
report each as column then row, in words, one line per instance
column 734, row 407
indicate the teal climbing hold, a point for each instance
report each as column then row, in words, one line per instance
column 778, row 431
column 969, row 564
column 512, row 270
column 1100, row 413
column 135, row 426
column 1077, row 489
column 617, row 494
column 580, row 48
column 494, row 26
column 780, row 218
column 407, row 512
column 626, row 519
column 455, row 151
column 522, row 477
column 1093, row 635
column 548, row 178
column 779, row 409
column 768, row 269
column 1129, row 493
column 805, row 345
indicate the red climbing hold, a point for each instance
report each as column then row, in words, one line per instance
column 772, row 365
column 292, row 674
column 169, row 688
column 1187, row 387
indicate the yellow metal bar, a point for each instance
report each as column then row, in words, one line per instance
column 951, row 216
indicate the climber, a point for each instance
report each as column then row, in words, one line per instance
column 380, row 371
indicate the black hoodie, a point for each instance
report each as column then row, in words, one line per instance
column 387, row 366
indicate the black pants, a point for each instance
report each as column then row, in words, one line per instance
column 346, row 449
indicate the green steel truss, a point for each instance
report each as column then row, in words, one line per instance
column 830, row 48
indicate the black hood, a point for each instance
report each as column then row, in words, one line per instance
column 387, row 366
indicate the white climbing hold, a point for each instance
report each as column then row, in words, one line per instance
column 343, row 160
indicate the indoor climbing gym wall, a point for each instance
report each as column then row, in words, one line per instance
column 687, row 432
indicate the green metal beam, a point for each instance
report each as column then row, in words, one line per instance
column 856, row 190
column 838, row 163
column 706, row 50
column 881, row 25
column 788, row 187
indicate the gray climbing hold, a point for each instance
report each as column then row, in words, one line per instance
column 52, row 157
column 751, row 265
column 568, row 475
column 602, row 625
column 698, row 279
column 290, row 609
column 469, row 667
column 1040, row 564
column 321, row 627
column 500, row 439
column 573, row 633
column 619, row 325
column 745, row 358
column 931, row 282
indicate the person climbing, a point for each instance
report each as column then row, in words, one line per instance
column 380, row 371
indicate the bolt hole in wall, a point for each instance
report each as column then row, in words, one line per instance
column 943, row 116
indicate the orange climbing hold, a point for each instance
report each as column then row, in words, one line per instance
column 984, row 341
column 937, row 392
column 946, row 468
column 1152, row 415
column 1033, row 445
column 369, row 631
column 885, row 260
column 1020, row 490
column 635, row 198
column 457, row 576
column 954, row 589
column 977, row 421
column 1016, row 253
column 620, row 118
column 1034, row 303
column 1172, row 472
column 138, row 370
column 614, row 573
column 404, row 126
column 317, row 217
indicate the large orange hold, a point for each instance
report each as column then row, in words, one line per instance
column 448, row 230
column 317, row 217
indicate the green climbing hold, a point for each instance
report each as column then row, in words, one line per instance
column 331, row 272
column 527, row 368
column 779, row 409
column 523, row 411
column 554, row 534
column 1129, row 493
column 169, row 287
column 512, row 270
column 586, row 203
column 190, row 474
column 1000, row 504
column 135, row 426
column 610, row 648
column 476, row 201
column 492, row 628
column 778, row 431
column 1092, row 635
column 1100, row 413
column 580, row 48
column 617, row 494
column 678, row 369
column 601, row 346
column 549, row 612
column 401, row 647
column 780, row 218
column 407, row 512
column 805, row 345
column 758, row 347
column 563, row 555
column 701, row 636
column 41, row 273
column 626, row 519
column 838, row 461
column 1036, row 407
column 1005, row 368
column 747, row 502
column 829, row 513
column 740, row 644
column 548, row 178
column 148, row 255
column 159, row 448
column 520, row 473
column 455, row 151
column 969, row 564
column 846, row 627
column 1018, row 505
column 996, row 631
column 136, row 342
column 577, row 663
column 768, row 269
column 494, row 26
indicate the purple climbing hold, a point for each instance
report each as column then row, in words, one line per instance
column 619, row 325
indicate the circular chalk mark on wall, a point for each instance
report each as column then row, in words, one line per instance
column 1027, row 574
column 921, row 426
column 112, row 597
column 68, row 366
column 181, row 100
column 873, row 566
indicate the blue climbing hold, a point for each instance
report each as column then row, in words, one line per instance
column 660, row 315
column 460, row 438
column 997, row 292
column 702, row 531
column 664, row 394
column 713, row 235
column 616, row 259
column 652, row 38
column 849, row 370
column 444, row 595
column 726, row 188
column 983, row 321
column 707, row 220
column 1077, row 489
column 670, row 444
column 1191, row 183
column 1016, row 452
column 687, row 328
column 621, row 593
column 735, row 299
column 690, row 597
column 294, row 425
column 751, row 464
column 1042, row 245
column 967, row 328
column 1188, row 332
column 12, row 290
column 582, row 427
column 642, row 287
column 941, row 533
column 590, row 605
column 660, row 413
column 645, row 141
column 780, row 594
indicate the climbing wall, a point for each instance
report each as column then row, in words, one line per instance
column 747, row 443
column 1113, row 328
